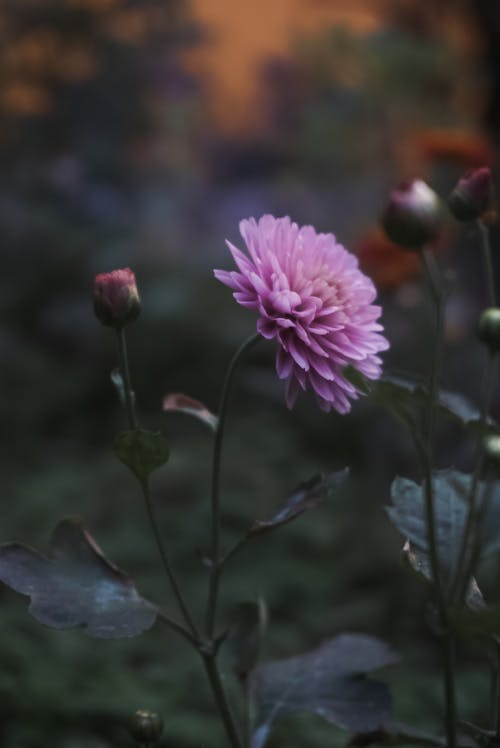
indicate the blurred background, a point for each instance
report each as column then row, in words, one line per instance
column 138, row 133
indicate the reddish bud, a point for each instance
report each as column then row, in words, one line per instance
column 472, row 194
column 116, row 298
column 413, row 216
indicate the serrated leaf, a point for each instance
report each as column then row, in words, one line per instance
column 178, row 403
column 76, row 586
column 307, row 496
column 419, row 562
column 451, row 492
column 330, row 682
column 142, row 451
column 245, row 639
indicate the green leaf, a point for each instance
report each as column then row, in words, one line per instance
column 451, row 492
column 330, row 682
column 245, row 639
column 178, row 403
column 307, row 496
column 76, row 586
column 142, row 451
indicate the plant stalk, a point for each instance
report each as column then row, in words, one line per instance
column 127, row 383
column 215, row 569
column 487, row 262
column 432, row 273
column 209, row 660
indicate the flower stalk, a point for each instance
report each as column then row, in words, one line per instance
column 448, row 644
column 216, row 560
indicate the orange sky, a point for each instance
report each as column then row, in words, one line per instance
column 246, row 32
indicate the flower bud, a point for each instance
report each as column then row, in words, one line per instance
column 491, row 446
column 145, row 727
column 116, row 298
column 413, row 215
column 472, row 194
column 488, row 330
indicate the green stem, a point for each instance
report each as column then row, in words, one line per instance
column 132, row 418
column 177, row 627
column 462, row 578
column 432, row 273
column 487, row 262
column 213, row 674
column 127, row 384
column 166, row 562
column 496, row 690
column 215, row 569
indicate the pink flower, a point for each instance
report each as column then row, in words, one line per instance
column 313, row 298
column 116, row 298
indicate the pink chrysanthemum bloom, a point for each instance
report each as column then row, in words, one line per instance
column 313, row 298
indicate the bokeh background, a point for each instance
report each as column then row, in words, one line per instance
column 139, row 133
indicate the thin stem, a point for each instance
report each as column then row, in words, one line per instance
column 432, row 273
column 462, row 579
column 215, row 568
column 221, row 700
column 177, row 627
column 496, row 690
column 127, row 384
column 166, row 561
column 487, row 262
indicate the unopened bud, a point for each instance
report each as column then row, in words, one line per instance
column 413, row 215
column 488, row 330
column 472, row 195
column 145, row 727
column 491, row 446
column 116, row 298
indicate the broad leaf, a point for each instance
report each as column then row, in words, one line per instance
column 307, row 496
column 245, row 639
column 76, row 586
column 330, row 682
column 451, row 493
column 178, row 403
column 142, row 451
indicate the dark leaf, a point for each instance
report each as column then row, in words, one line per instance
column 142, row 451
column 76, row 586
column 178, row 403
column 451, row 492
column 330, row 682
column 307, row 496
column 246, row 635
